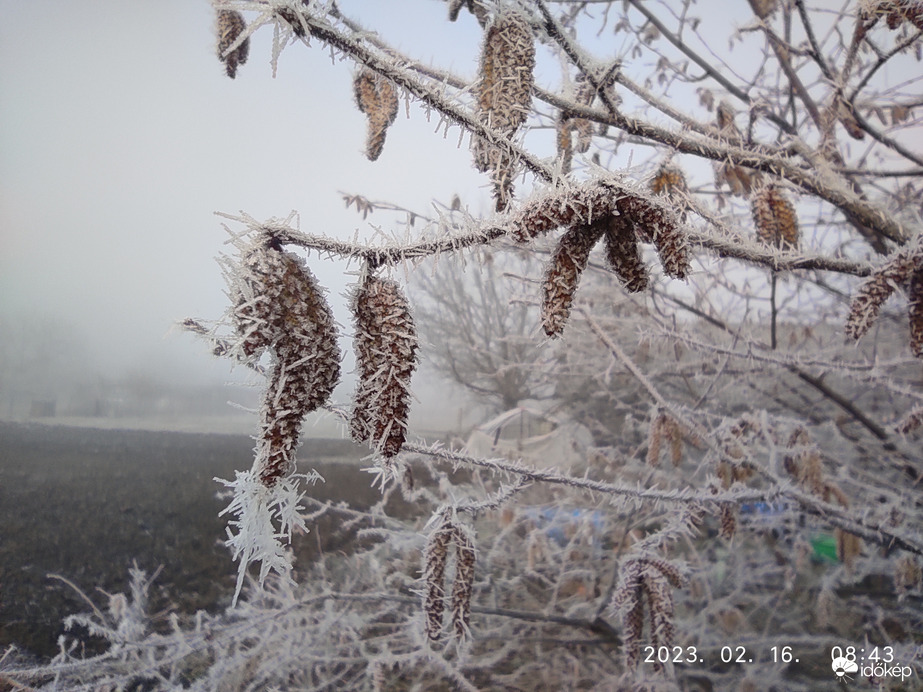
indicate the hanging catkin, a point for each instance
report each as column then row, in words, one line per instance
column 651, row 580
column 915, row 312
column 377, row 98
column 385, row 346
column 231, row 25
column 463, row 585
column 667, row 180
column 278, row 305
column 653, row 222
column 623, row 254
column 901, row 268
column 504, row 94
column 775, row 218
column 435, row 559
column 563, row 274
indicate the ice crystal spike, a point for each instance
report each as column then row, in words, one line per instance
column 278, row 305
column 377, row 98
column 775, row 218
column 231, row 25
column 386, row 351
column 567, row 264
column 504, row 94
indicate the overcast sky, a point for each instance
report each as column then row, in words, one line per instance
column 120, row 136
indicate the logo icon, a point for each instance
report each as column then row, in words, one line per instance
column 842, row 666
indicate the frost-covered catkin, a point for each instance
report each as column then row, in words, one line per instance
column 463, row 585
column 627, row 600
column 915, row 313
column 578, row 204
column 567, row 125
column 650, row 579
column 230, row 25
column 896, row 12
column 654, row 222
column 504, row 94
column 866, row 305
column 908, row 575
column 623, row 254
column 563, row 274
column 279, row 305
column 848, row 547
column 775, row 218
column 667, row 180
column 737, row 178
column 377, row 98
column 435, row 559
column 386, row 352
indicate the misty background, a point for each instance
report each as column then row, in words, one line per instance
column 120, row 136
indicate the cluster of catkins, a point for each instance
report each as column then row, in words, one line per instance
column 646, row 581
column 435, row 560
column 278, row 306
column 895, row 12
column 773, row 214
column 568, row 125
column 903, row 269
column 602, row 210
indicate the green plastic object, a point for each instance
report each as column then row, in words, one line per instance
column 824, row 547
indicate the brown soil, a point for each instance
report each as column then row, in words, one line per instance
column 87, row 503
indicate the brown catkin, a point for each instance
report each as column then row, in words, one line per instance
column 898, row 270
column 908, row 575
column 655, row 439
column 668, row 179
column 377, row 98
column 623, row 254
column 763, row 8
column 647, row 579
column 660, row 608
column 230, row 25
column 848, row 547
column 565, row 142
column 655, row 222
column 504, row 94
column 775, row 218
column 577, row 204
column 435, row 559
column 563, row 274
column 279, row 305
column 386, row 350
column 727, row 517
column 464, row 582
column 737, row 178
column 915, row 312
column 567, row 125
column 627, row 600
column 910, row 422
column 896, row 12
